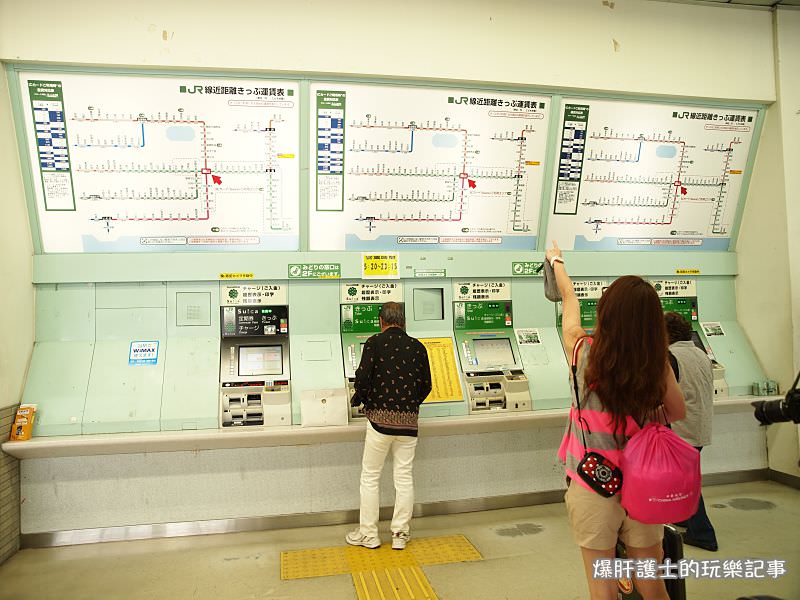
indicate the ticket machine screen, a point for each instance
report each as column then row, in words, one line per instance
column 254, row 321
column 697, row 341
column 495, row 351
column 260, row 360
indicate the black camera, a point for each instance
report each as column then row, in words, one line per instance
column 780, row 411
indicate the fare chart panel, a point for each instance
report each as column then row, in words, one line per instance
column 421, row 168
column 146, row 163
column 646, row 176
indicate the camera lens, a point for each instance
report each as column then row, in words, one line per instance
column 770, row 411
column 603, row 473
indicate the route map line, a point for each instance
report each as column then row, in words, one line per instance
column 677, row 188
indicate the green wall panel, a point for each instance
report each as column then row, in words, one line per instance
column 57, row 382
column 65, row 312
column 190, row 394
column 77, row 268
column 123, row 397
column 138, row 294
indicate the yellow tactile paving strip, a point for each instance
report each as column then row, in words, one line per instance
column 442, row 550
column 316, row 562
column 397, row 583
column 382, row 574
column 339, row 560
column 383, row 557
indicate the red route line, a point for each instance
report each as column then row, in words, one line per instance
column 463, row 170
column 205, row 166
column 674, row 208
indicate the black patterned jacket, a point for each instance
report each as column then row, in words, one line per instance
column 392, row 380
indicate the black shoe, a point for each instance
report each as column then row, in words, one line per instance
column 710, row 546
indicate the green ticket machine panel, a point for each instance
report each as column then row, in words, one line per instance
column 489, row 356
column 358, row 322
column 676, row 295
column 254, row 374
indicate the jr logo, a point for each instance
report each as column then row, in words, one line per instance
column 461, row 100
column 197, row 89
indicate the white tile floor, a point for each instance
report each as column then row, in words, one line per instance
column 528, row 554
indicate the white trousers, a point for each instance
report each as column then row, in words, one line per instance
column 376, row 447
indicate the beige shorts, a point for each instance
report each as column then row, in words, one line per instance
column 597, row 522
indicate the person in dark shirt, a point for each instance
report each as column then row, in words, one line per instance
column 695, row 377
column 392, row 380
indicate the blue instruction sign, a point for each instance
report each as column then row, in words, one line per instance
column 143, row 353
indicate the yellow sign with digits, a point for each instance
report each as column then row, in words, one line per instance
column 687, row 271
column 236, row 276
column 383, row 265
column 446, row 384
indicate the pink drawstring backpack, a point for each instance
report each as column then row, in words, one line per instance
column 662, row 476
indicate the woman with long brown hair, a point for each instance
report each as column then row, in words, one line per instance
column 624, row 381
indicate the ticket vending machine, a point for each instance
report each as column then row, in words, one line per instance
column 676, row 295
column 359, row 313
column 487, row 349
column 680, row 296
column 254, row 374
column 358, row 323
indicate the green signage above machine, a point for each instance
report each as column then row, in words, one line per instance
column 360, row 318
column 315, row 271
column 482, row 315
column 686, row 307
column 527, row 269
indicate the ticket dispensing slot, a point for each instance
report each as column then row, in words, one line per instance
column 254, row 369
column 489, row 357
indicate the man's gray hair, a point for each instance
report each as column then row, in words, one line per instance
column 392, row 313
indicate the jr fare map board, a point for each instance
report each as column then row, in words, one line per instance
column 428, row 169
column 146, row 163
column 645, row 176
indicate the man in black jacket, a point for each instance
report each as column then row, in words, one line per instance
column 393, row 379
